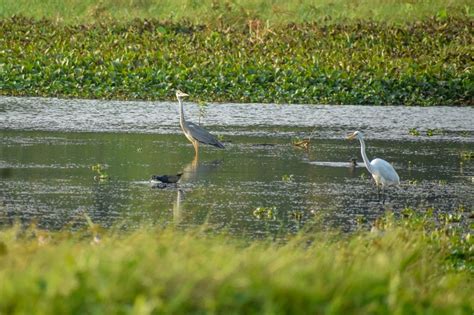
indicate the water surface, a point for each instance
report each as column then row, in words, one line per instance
column 48, row 147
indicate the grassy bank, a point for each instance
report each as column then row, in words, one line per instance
column 406, row 266
column 237, row 11
column 420, row 63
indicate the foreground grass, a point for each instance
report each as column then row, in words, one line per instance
column 422, row 63
column 401, row 267
column 215, row 12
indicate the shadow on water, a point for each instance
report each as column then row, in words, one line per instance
column 259, row 185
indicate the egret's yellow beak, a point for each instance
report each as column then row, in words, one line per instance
column 351, row 136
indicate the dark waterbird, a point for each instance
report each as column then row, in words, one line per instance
column 353, row 162
column 168, row 179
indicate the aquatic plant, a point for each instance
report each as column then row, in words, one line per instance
column 301, row 143
column 202, row 110
column 100, row 170
column 414, row 132
column 419, row 63
column 297, row 215
column 265, row 213
column 416, row 264
column 288, row 178
column 432, row 132
column 466, row 155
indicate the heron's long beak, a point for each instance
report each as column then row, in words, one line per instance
column 351, row 136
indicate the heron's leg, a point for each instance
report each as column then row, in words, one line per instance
column 378, row 191
column 196, row 149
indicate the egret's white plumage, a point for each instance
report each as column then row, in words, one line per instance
column 383, row 172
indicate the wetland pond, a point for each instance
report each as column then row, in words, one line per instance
column 259, row 185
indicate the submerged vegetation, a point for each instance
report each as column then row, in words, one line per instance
column 415, row 264
column 425, row 62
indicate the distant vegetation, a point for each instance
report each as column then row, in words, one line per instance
column 421, row 264
column 374, row 52
column 420, row 63
column 237, row 12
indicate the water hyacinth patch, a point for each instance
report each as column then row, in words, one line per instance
column 420, row 63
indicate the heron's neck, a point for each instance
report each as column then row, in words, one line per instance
column 181, row 112
column 364, row 156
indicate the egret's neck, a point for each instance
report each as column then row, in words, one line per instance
column 364, row 156
column 181, row 111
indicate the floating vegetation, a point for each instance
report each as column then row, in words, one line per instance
column 466, row 155
column 101, row 174
column 429, row 132
column 265, row 213
column 297, row 215
column 302, row 143
column 414, row 132
column 288, row 178
column 367, row 62
column 433, row 132
column 202, row 110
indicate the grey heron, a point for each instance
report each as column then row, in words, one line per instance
column 193, row 132
column 383, row 172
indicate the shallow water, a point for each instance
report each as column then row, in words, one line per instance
column 48, row 147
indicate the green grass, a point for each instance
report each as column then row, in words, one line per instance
column 406, row 266
column 237, row 11
column 422, row 63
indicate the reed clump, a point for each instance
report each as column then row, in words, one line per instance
column 414, row 265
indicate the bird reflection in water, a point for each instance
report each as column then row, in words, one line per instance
column 353, row 165
column 183, row 182
column 177, row 205
column 353, row 162
column 196, row 169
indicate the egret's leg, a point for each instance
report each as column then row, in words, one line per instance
column 378, row 191
column 383, row 195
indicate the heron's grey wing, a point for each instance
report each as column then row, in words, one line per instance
column 202, row 135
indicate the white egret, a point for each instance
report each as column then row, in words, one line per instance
column 383, row 172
